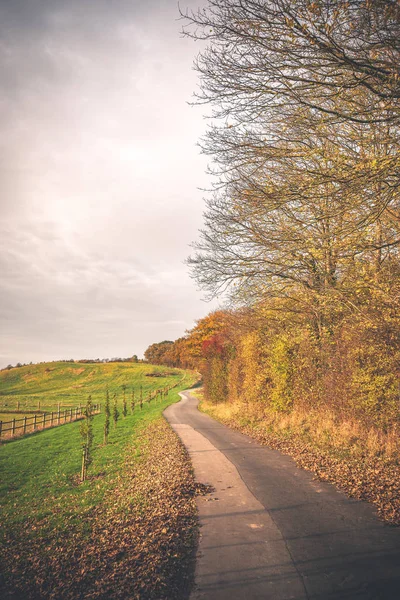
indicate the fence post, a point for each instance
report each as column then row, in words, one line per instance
column 58, row 414
column 52, row 419
column 24, row 425
column 1, row 427
column 18, row 406
column 38, row 405
column 44, row 421
column 13, row 427
column 34, row 423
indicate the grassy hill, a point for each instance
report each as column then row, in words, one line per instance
column 44, row 386
column 51, row 521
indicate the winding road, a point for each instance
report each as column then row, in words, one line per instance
column 269, row 531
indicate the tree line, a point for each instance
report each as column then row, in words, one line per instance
column 302, row 227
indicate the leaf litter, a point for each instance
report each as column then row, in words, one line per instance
column 139, row 543
column 375, row 479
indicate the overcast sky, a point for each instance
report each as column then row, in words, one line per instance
column 99, row 178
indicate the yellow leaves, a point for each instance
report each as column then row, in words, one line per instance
column 289, row 22
column 314, row 7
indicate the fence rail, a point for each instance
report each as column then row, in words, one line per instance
column 44, row 420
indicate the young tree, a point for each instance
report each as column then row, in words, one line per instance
column 86, row 431
column 115, row 411
column 107, row 412
column 141, row 398
column 133, row 401
column 124, row 405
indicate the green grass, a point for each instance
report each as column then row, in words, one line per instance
column 9, row 416
column 69, row 384
column 39, row 473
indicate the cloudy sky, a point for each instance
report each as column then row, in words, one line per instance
column 99, row 178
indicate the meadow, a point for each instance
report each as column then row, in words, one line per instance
column 42, row 500
column 49, row 386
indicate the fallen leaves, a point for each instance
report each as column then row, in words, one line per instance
column 374, row 479
column 139, row 544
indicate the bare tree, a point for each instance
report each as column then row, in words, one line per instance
column 304, row 143
column 314, row 52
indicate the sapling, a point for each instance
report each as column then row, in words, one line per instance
column 86, row 431
column 115, row 411
column 133, row 401
column 124, row 406
column 107, row 412
column 141, row 398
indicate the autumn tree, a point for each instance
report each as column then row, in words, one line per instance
column 206, row 328
column 303, row 224
column 304, row 143
column 177, row 354
column 216, row 351
column 155, row 352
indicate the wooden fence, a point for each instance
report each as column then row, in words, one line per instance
column 25, row 425
column 15, row 427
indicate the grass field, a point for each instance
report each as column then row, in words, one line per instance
column 49, row 460
column 41, row 497
column 45, row 386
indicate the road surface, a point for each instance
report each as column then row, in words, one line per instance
column 269, row 531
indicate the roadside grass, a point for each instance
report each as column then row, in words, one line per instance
column 41, row 497
column 325, row 430
column 363, row 462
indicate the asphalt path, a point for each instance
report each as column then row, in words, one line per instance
column 270, row 531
